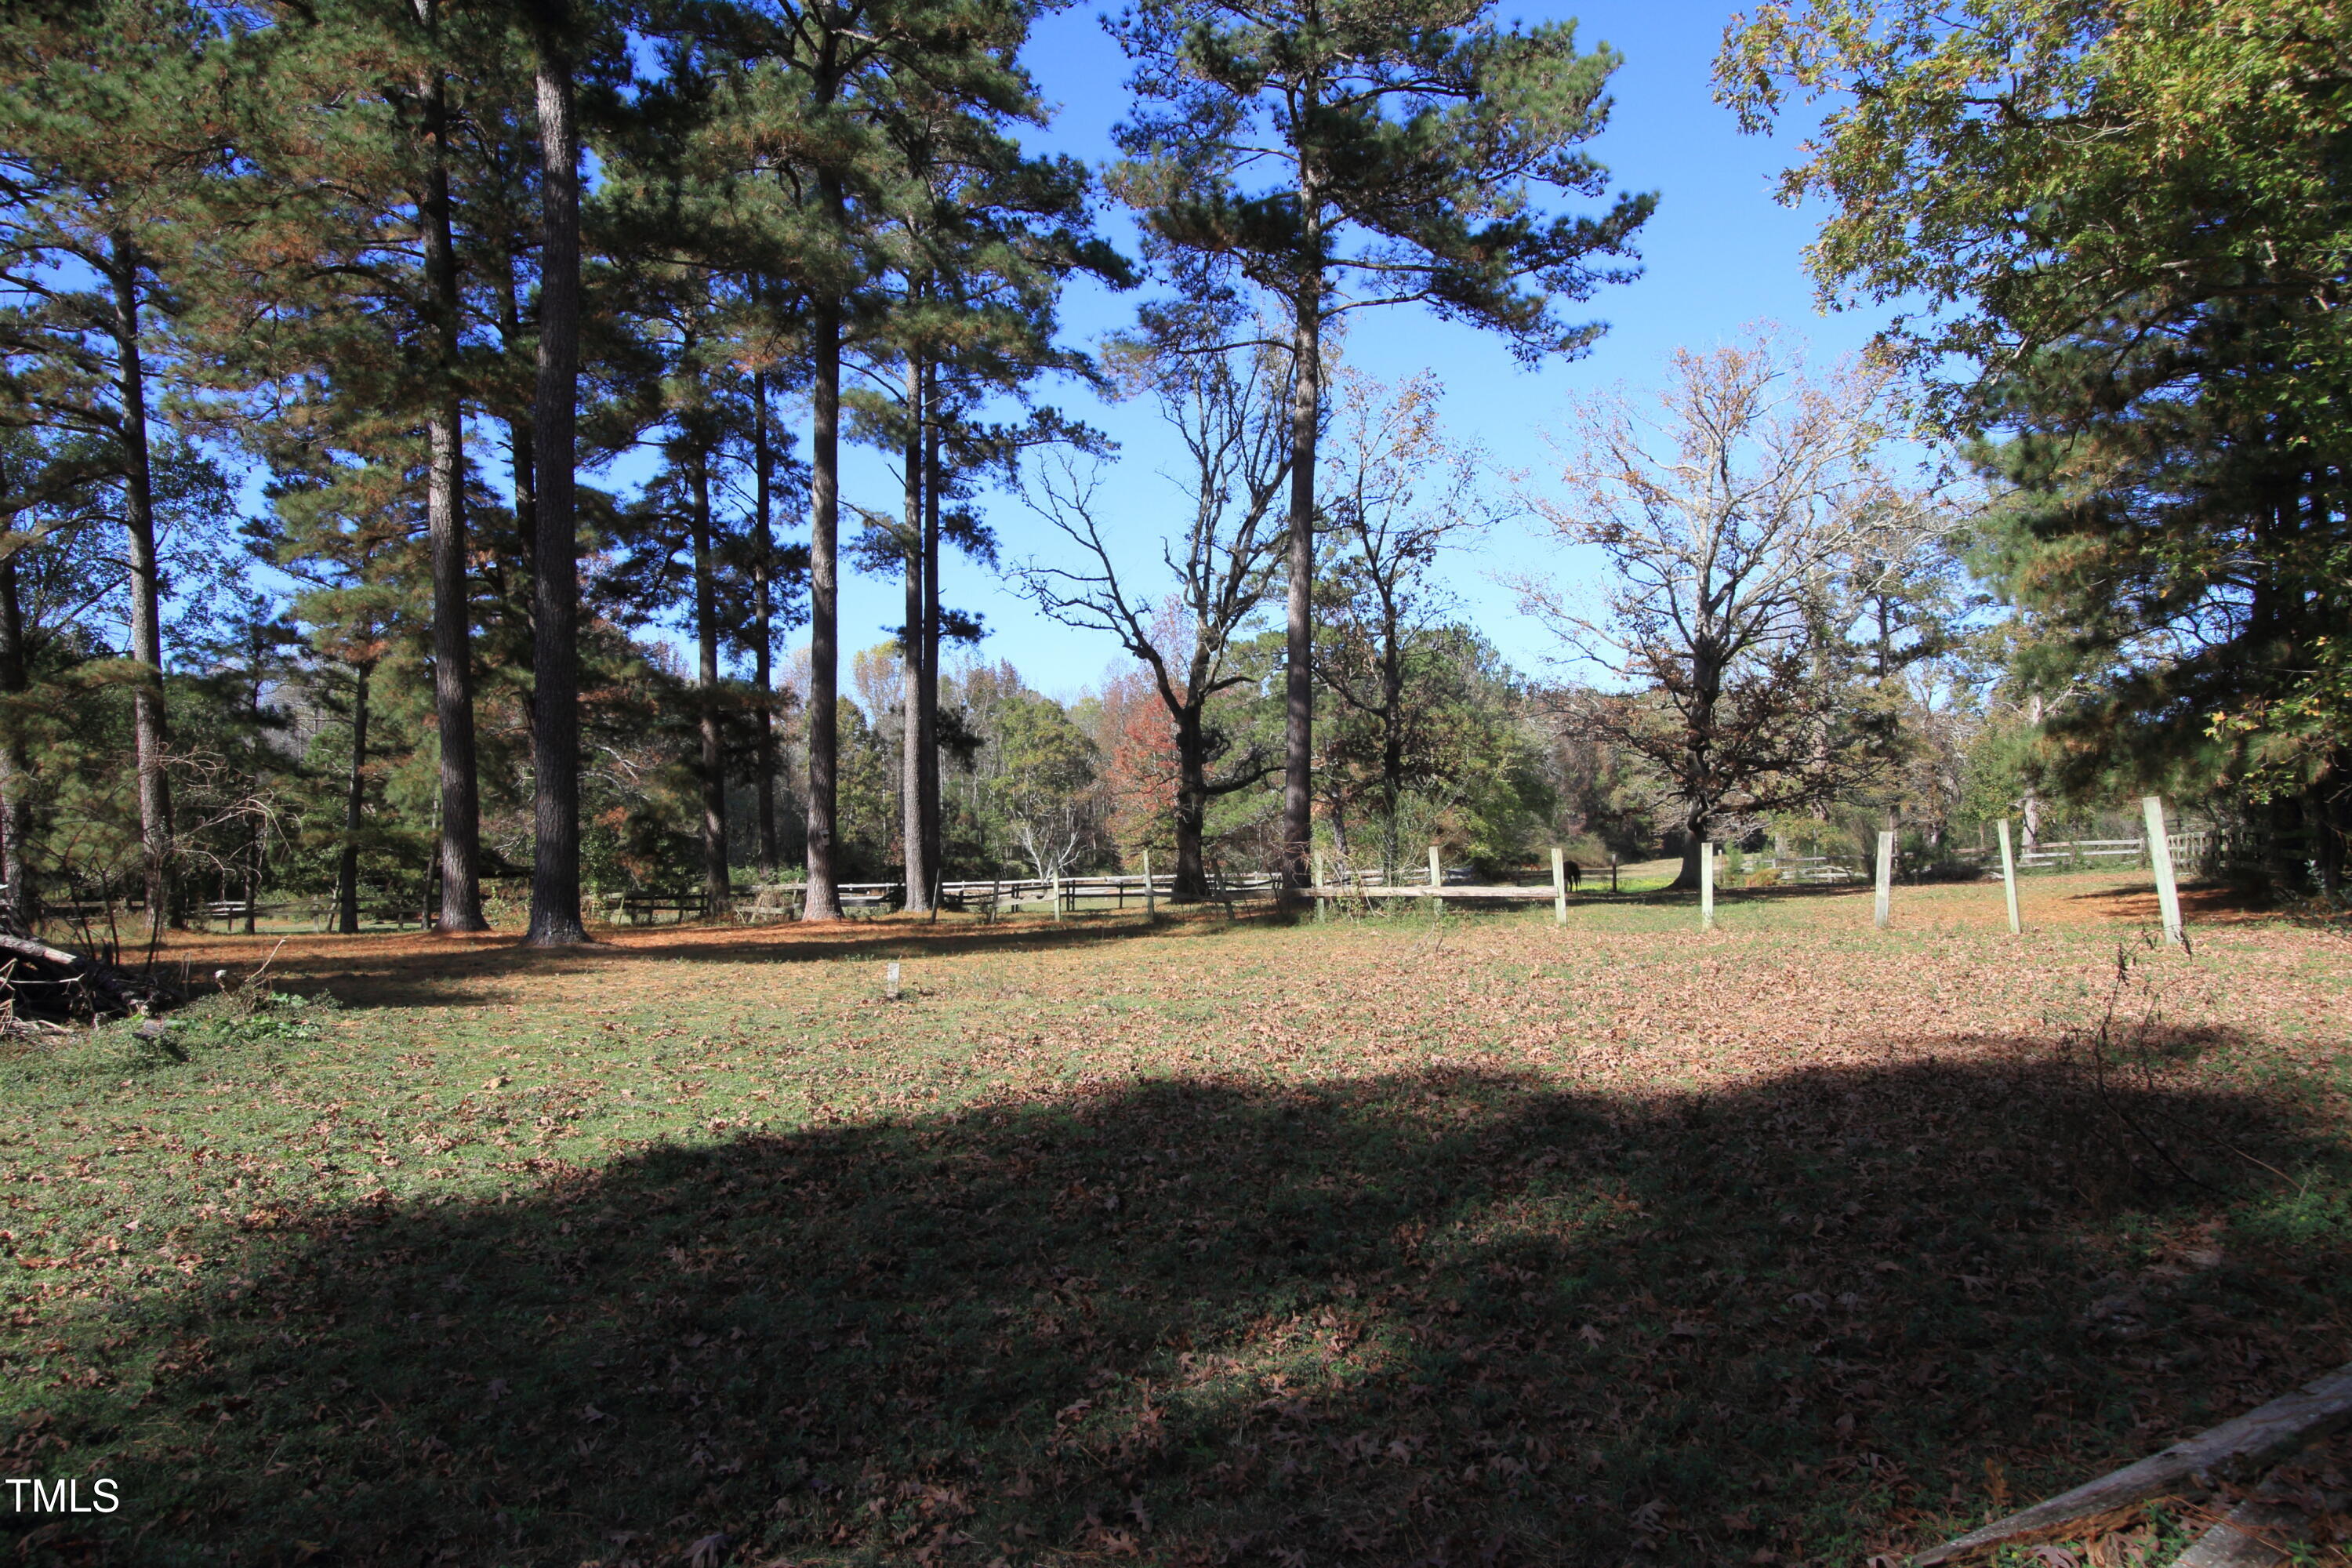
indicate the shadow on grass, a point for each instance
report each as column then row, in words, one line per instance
column 1443, row 1318
column 1687, row 898
column 431, row 972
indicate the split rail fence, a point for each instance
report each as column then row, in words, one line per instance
column 2205, row 850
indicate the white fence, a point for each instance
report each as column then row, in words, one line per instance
column 2207, row 851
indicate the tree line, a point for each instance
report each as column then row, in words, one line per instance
column 354, row 245
column 325, row 325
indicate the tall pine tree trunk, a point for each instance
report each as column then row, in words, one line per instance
column 148, row 731
column 1299, row 674
column 823, row 902
column 347, row 865
column 16, row 899
column 763, row 611
column 445, row 506
column 555, row 706
column 916, row 857
column 717, row 886
column 521, row 439
column 255, row 844
column 926, row 693
column 453, row 679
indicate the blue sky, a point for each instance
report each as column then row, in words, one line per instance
column 1720, row 253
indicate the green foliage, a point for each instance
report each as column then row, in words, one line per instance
column 1473, row 765
column 229, row 1030
column 2122, row 225
column 1025, row 792
column 1407, row 146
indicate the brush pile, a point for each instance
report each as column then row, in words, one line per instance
column 42, row 985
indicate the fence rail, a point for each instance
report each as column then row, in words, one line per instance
column 2213, row 852
column 1811, row 867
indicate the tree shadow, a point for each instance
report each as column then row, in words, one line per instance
column 2200, row 901
column 1448, row 1317
column 1687, row 898
column 439, row 972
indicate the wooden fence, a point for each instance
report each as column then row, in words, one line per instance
column 2208, row 851
column 1072, row 895
column 1811, row 868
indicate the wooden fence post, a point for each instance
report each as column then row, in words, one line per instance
column 2159, row 857
column 1322, row 907
column 1559, row 885
column 1886, row 910
column 1053, row 893
column 1706, row 883
column 1436, row 880
column 1613, row 870
column 1151, row 891
column 2008, row 880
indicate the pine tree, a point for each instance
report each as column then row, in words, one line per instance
column 45, row 491
column 809, row 94
column 346, row 531
column 2117, row 233
column 453, row 677
column 558, row 39
column 702, row 414
column 1410, row 141
column 775, row 580
column 981, row 249
column 101, row 128
column 339, row 231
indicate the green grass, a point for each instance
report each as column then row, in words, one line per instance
column 1373, row 1242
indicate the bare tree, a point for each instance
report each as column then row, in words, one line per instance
column 1726, row 504
column 1228, row 405
column 1401, row 491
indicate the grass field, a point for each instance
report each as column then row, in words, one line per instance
column 1479, row 1242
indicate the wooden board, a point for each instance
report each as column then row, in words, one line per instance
column 2252, row 1443
column 1424, row 891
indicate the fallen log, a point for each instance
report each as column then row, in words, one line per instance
column 2231, row 1451
column 2249, row 1538
column 58, row 982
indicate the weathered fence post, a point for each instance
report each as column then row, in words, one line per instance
column 2008, row 880
column 890, row 981
column 1436, row 880
column 2159, row 856
column 1706, row 883
column 1151, row 891
column 1886, row 910
column 1322, row 908
column 1559, row 885
column 1053, row 893
column 1613, row 870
